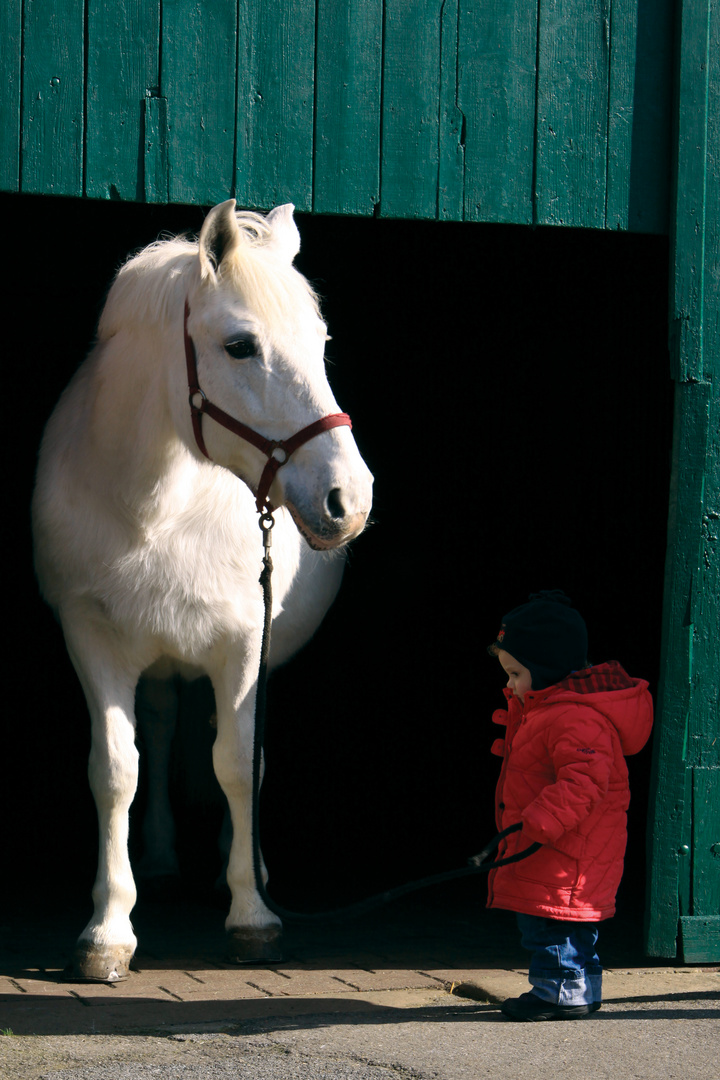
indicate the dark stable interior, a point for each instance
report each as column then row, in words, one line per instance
column 510, row 391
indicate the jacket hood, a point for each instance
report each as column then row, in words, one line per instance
column 623, row 700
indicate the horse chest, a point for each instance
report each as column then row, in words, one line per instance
column 189, row 586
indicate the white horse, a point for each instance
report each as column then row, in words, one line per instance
column 148, row 547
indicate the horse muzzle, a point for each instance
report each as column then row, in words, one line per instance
column 331, row 516
column 331, row 529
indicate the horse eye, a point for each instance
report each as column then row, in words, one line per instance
column 241, row 349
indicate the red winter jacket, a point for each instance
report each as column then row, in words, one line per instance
column 564, row 777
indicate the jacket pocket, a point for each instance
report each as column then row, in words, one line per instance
column 549, row 867
column 571, row 844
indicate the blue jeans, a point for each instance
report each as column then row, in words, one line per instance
column 564, row 967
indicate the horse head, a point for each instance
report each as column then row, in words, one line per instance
column 254, row 343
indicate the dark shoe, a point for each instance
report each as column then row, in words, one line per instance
column 530, row 1007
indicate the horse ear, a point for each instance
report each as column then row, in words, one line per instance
column 285, row 238
column 218, row 237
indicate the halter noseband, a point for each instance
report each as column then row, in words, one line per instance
column 277, row 451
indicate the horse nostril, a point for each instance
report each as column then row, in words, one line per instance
column 335, row 505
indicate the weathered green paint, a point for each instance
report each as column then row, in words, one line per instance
column 156, row 169
column 451, row 122
column 123, row 67
column 347, row 112
column 685, row 808
column 10, row 50
column 544, row 111
column 199, row 53
column 640, row 101
column 685, row 851
column 572, row 112
column 700, row 939
column 706, row 837
column 275, row 103
column 53, row 97
column 411, row 99
column 497, row 85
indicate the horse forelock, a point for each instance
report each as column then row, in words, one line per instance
column 152, row 285
column 262, row 275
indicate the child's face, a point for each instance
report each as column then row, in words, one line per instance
column 519, row 678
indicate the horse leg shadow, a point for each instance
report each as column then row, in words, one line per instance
column 156, row 710
column 176, row 728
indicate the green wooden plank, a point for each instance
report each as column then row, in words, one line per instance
column 711, row 284
column 696, row 338
column 572, row 112
column 199, row 53
column 276, row 81
column 156, row 172
column 706, row 841
column 123, row 61
column 451, row 149
column 703, row 742
column 497, row 54
column 347, row 106
column 688, row 234
column 10, row 50
column 53, row 91
column 639, row 116
column 707, row 650
column 411, row 109
column 701, row 939
column 682, row 581
column 685, row 853
column 686, row 728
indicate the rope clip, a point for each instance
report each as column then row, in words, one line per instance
column 266, row 523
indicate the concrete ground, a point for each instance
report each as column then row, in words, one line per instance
column 411, row 991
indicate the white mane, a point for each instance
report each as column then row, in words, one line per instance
column 152, row 285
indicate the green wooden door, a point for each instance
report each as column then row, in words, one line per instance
column 684, row 838
column 513, row 111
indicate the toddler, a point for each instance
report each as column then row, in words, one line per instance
column 568, row 729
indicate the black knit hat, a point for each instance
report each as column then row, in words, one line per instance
column 546, row 635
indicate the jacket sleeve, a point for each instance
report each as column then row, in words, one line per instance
column 580, row 745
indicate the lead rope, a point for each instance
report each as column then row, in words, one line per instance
column 476, row 864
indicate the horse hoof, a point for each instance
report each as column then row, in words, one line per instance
column 255, row 945
column 101, row 963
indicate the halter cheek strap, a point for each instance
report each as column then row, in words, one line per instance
column 277, row 451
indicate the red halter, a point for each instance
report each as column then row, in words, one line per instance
column 277, row 451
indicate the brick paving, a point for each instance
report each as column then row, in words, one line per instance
column 407, row 954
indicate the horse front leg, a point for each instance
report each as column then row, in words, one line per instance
column 254, row 933
column 105, row 947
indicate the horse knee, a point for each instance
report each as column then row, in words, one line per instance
column 113, row 774
column 232, row 770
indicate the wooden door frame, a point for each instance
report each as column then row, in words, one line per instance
column 684, row 816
